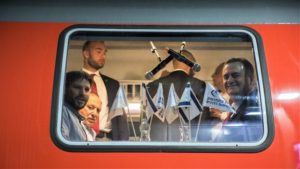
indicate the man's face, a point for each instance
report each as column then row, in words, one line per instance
column 91, row 110
column 235, row 81
column 77, row 93
column 95, row 55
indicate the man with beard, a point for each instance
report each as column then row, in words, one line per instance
column 94, row 54
column 77, row 90
column 240, row 85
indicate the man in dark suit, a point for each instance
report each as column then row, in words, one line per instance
column 162, row 131
column 94, row 54
column 240, row 85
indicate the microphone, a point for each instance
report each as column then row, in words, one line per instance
column 195, row 66
column 161, row 65
column 154, row 50
column 182, row 46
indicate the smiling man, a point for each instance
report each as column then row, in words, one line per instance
column 240, row 85
column 77, row 91
column 238, row 79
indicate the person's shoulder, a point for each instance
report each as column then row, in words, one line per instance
column 66, row 111
column 252, row 98
column 66, row 108
column 153, row 83
column 109, row 79
column 157, row 81
column 197, row 81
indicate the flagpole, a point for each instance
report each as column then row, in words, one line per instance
column 180, row 119
column 182, row 125
column 198, row 126
column 190, row 130
column 150, row 123
column 143, row 112
column 133, row 128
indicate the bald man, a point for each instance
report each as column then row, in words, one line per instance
column 181, row 75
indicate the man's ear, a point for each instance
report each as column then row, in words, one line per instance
column 85, row 54
column 252, row 82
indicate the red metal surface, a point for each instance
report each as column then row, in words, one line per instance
column 28, row 52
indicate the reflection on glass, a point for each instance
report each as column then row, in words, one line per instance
column 185, row 134
column 128, row 61
column 144, row 130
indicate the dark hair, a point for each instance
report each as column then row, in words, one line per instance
column 249, row 70
column 73, row 76
column 87, row 44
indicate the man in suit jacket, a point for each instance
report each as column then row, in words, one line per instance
column 240, row 85
column 94, row 54
column 162, row 131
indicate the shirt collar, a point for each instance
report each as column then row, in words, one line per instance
column 237, row 104
column 75, row 112
column 97, row 73
column 179, row 70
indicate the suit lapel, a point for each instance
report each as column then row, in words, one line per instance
column 111, row 89
column 240, row 111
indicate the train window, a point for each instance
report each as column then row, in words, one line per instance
column 150, row 88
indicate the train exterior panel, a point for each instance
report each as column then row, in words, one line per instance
column 28, row 53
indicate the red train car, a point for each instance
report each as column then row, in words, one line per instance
column 30, row 49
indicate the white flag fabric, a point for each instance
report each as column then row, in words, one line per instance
column 171, row 111
column 147, row 102
column 213, row 99
column 160, row 103
column 119, row 104
column 189, row 106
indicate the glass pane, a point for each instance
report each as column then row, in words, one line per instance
column 182, row 88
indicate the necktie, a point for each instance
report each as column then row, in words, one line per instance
column 94, row 90
column 93, row 86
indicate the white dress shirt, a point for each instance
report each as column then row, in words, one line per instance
column 90, row 133
column 104, row 122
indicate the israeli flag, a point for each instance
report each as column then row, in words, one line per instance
column 171, row 111
column 160, row 103
column 120, row 102
column 213, row 99
column 189, row 106
column 147, row 102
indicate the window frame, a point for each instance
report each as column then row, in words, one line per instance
column 130, row 146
